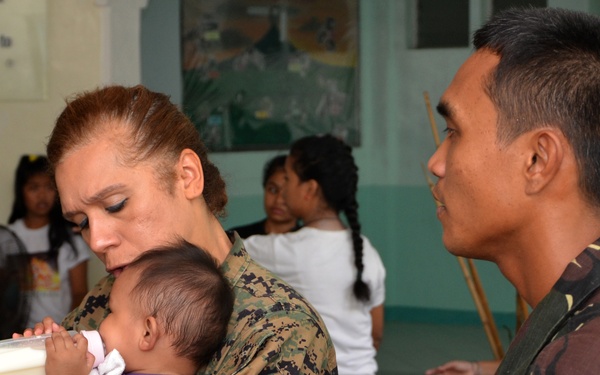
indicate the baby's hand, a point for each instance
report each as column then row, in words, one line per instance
column 48, row 325
column 66, row 355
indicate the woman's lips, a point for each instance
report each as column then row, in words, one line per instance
column 116, row 271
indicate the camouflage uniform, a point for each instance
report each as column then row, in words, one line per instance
column 272, row 330
column 562, row 334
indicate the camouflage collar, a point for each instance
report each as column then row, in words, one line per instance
column 578, row 282
column 237, row 261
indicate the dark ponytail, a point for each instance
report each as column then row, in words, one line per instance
column 329, row 161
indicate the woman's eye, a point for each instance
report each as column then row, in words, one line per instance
column 83, row 224
column 117, row 207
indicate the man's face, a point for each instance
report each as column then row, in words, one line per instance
column 478, row 185
column 294, row 190
column 122, row 210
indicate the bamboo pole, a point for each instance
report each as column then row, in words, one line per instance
column 469, row 272
column 487, row 313
column 436, row 136
column 522, row 312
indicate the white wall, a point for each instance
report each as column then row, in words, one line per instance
column 89, row 43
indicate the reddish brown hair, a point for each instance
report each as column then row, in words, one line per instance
column 143, row 125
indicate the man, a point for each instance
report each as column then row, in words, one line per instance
column 519, row 177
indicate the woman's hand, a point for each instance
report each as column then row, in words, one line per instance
column 48, row 325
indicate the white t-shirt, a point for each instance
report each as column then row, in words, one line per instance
column 51, row 287
column 319, row 264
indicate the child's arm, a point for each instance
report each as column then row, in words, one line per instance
column 66, row 355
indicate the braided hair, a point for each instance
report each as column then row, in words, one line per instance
column 328, row 160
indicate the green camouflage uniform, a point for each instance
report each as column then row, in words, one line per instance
column 562, row 334
column 272, row 330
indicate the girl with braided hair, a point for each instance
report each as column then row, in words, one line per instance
column 330, row 263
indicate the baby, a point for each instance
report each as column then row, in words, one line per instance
column 169, row 311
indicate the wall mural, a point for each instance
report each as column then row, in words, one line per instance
column 259, row 74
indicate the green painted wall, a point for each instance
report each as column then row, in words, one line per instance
column 397, row 212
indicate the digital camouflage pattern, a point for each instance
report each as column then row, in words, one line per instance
column 272, row 330
column 562, row 334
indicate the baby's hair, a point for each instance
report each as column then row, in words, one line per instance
column 183, row 288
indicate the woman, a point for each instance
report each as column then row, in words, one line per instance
column 58, row 258
column 279, row 219
column 134, row 174
column 334, row 267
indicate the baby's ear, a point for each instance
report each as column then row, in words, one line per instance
column 151, row 334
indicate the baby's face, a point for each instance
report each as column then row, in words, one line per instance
column 122, row 327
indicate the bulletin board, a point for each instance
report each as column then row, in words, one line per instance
column 259, row 74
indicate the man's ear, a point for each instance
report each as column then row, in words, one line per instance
column 150, row 335
column 191, row 173
column 545, row 157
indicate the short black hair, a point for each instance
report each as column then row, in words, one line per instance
column 548, row 76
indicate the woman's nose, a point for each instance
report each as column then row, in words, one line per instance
column 100, row 237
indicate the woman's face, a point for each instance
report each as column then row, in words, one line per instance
column 122, row 210
column 276, row 209
column 294, row 190
column 39, row 195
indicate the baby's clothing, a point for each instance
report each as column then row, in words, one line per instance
column 113, row 365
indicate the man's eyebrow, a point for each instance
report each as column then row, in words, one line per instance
column 99, row 196
column 444, row 109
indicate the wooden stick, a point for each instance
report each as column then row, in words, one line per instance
column 470, row 273
column 522, row 311
column 490, row 322
column 485, row 319
column 434, row 130
column 474, row 284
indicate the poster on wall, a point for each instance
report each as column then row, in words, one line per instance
column 259, row 74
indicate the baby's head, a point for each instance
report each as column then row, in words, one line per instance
column 174, row 299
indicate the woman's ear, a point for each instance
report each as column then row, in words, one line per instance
column 545, row 157
column 311, row 188
column 190, row 172
column 150, row 335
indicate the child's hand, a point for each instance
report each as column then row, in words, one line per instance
column 66, row 355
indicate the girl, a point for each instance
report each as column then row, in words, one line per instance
column 58, row 258
column 279, row 219
column 335, row 268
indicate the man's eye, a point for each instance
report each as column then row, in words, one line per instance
column 449, row 131
column 117, row 207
